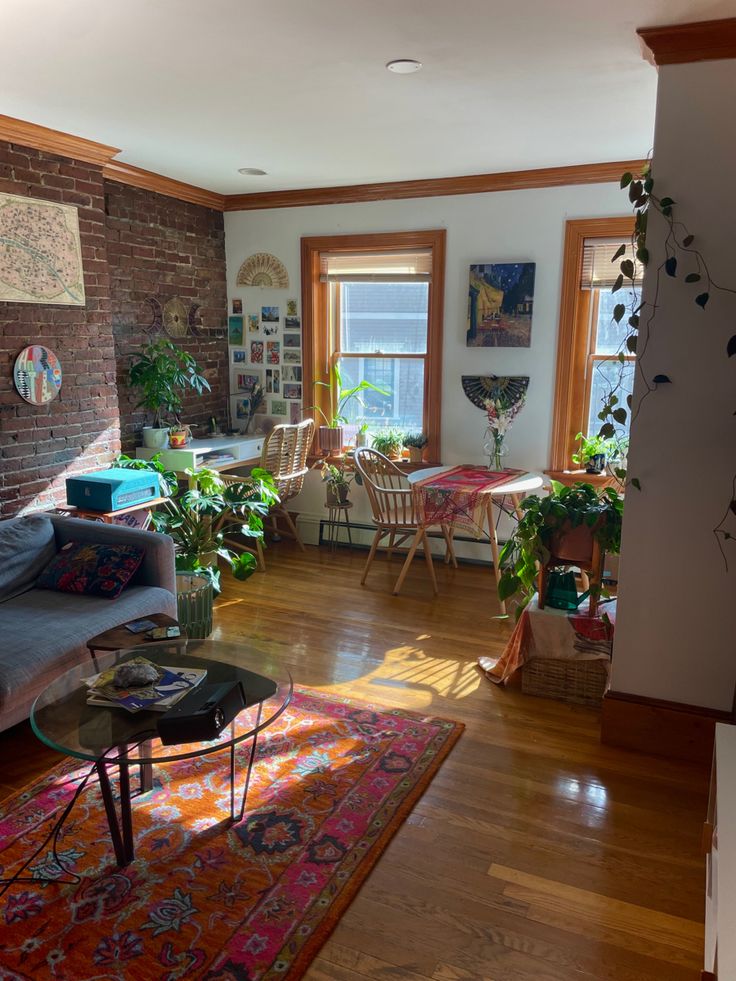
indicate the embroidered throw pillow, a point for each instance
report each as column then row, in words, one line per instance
column 93, row 570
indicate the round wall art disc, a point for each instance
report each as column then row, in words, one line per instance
column 37, row 374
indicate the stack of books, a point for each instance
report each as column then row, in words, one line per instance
column 171, row 685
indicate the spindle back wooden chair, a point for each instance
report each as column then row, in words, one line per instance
column 394, row 513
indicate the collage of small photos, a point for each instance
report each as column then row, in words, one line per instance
column 265, row 351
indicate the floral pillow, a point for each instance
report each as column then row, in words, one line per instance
column 93, row 570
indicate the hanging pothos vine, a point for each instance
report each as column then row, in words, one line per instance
column 683, row 260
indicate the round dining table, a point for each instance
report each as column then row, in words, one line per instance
column 518, row 486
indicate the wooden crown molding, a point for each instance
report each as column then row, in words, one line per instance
column 513, row 180
column 679, row 44
column 124, row 173
column 53, row 141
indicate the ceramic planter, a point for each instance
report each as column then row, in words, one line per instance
column 573, row 545
column 178, row 438
column 415, row 454
column 596, row 463
column 330, row 439
column 155, row 438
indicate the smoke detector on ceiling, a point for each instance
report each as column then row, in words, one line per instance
column 251, row 172
column 404, row 66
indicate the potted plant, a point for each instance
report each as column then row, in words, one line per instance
column 337, row 482
column 163, row 372
column 330, row 436
column 593, row 453
column 562, row 524
column 361, row 437
column 389, row 442
column 415, row 443
column 198, row 519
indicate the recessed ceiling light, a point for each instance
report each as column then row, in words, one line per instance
column 251, row 171
column 404, row 66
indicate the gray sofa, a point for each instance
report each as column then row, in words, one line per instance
column 43, row 632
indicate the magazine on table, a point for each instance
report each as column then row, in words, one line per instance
column 158, row 696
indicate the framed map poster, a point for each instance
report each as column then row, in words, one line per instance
column 41, row 257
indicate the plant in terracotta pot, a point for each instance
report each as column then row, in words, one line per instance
column 564, row 525
column 330, row 436
column 163, row 372
column 389, row 442
column 415, row 443
column 337, row 483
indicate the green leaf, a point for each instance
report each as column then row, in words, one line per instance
column 626, row 179
column 620, row 415
column 621, row 357
column 619, row 252
column 608, row 430
column 631, row 341
column 635, row 482
column 627, row 268
column 634, row 321
column 701, row 299
column 618, row 312
column 688, row 241
column 670, row 265
column 666, row 202
column 508, row 585
column 618, row 284
column 692, row 278
column 731, row 346
column 642, row 255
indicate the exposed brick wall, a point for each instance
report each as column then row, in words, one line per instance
column 79, row 430
column 160, row 247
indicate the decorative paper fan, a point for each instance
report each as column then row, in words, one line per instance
column 176, row 317
column 263, row 269
column 157, row 319
column 194, row 319
column 509, row 388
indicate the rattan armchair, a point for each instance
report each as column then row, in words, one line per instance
column 284, row 455
column 394, row 513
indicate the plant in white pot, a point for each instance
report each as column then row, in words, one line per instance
column 162, row 372
column 415, row 443
column 330, row 436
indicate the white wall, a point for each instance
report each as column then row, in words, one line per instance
column 675, row 636
column 508, row 226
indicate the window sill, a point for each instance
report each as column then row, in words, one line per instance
column 314, row 461
column 570, row 477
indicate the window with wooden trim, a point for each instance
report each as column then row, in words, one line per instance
column 592, row 358
column 373, row 306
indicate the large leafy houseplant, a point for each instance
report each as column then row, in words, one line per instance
column 163, row 372
column 200, row 518
column 545, row 519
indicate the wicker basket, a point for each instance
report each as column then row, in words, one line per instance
column 567, row 680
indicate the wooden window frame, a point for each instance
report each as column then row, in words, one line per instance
column 316, row 353
column 573, row 338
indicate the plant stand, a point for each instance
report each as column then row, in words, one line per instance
column 334, row 513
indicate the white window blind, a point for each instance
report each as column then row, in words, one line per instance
column 598, row 271
column 376, row 267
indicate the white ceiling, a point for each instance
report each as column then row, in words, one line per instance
column 195, row 89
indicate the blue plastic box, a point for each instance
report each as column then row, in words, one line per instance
column 112, row 490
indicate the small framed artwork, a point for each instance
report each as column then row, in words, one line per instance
column 270, row 315
column 292, row 323
column 237, row 306
column 295, row 412
column 273, row 352
column 254, row 324
column 247, row 381
column 292, row 340
column 256, row 352
column 292, row 373
column 279, row 407
column 269, row 330
column 273, row 381
column 235, row 330
column 291, row 308
column 291, row 355
column 500, row 304
column 239, row 408
column 292, row 391
column 238, row 355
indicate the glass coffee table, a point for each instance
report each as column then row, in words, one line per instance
column 107, row 737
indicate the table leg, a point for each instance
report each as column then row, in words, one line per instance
column 494, row 549
column 121, row 831
column 516, row 500
column 251, row 759
column 146, row 768
column 347, row 525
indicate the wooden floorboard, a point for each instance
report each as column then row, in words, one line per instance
column 536, row 854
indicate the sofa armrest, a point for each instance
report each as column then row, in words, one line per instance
column 157, row 568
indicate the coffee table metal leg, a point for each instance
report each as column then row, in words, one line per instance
column 146, row 768
column 251, row 759
column 122, row 841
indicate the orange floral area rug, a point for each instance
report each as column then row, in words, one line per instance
column 204, row 898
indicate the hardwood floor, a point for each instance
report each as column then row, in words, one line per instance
column 536, row 854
